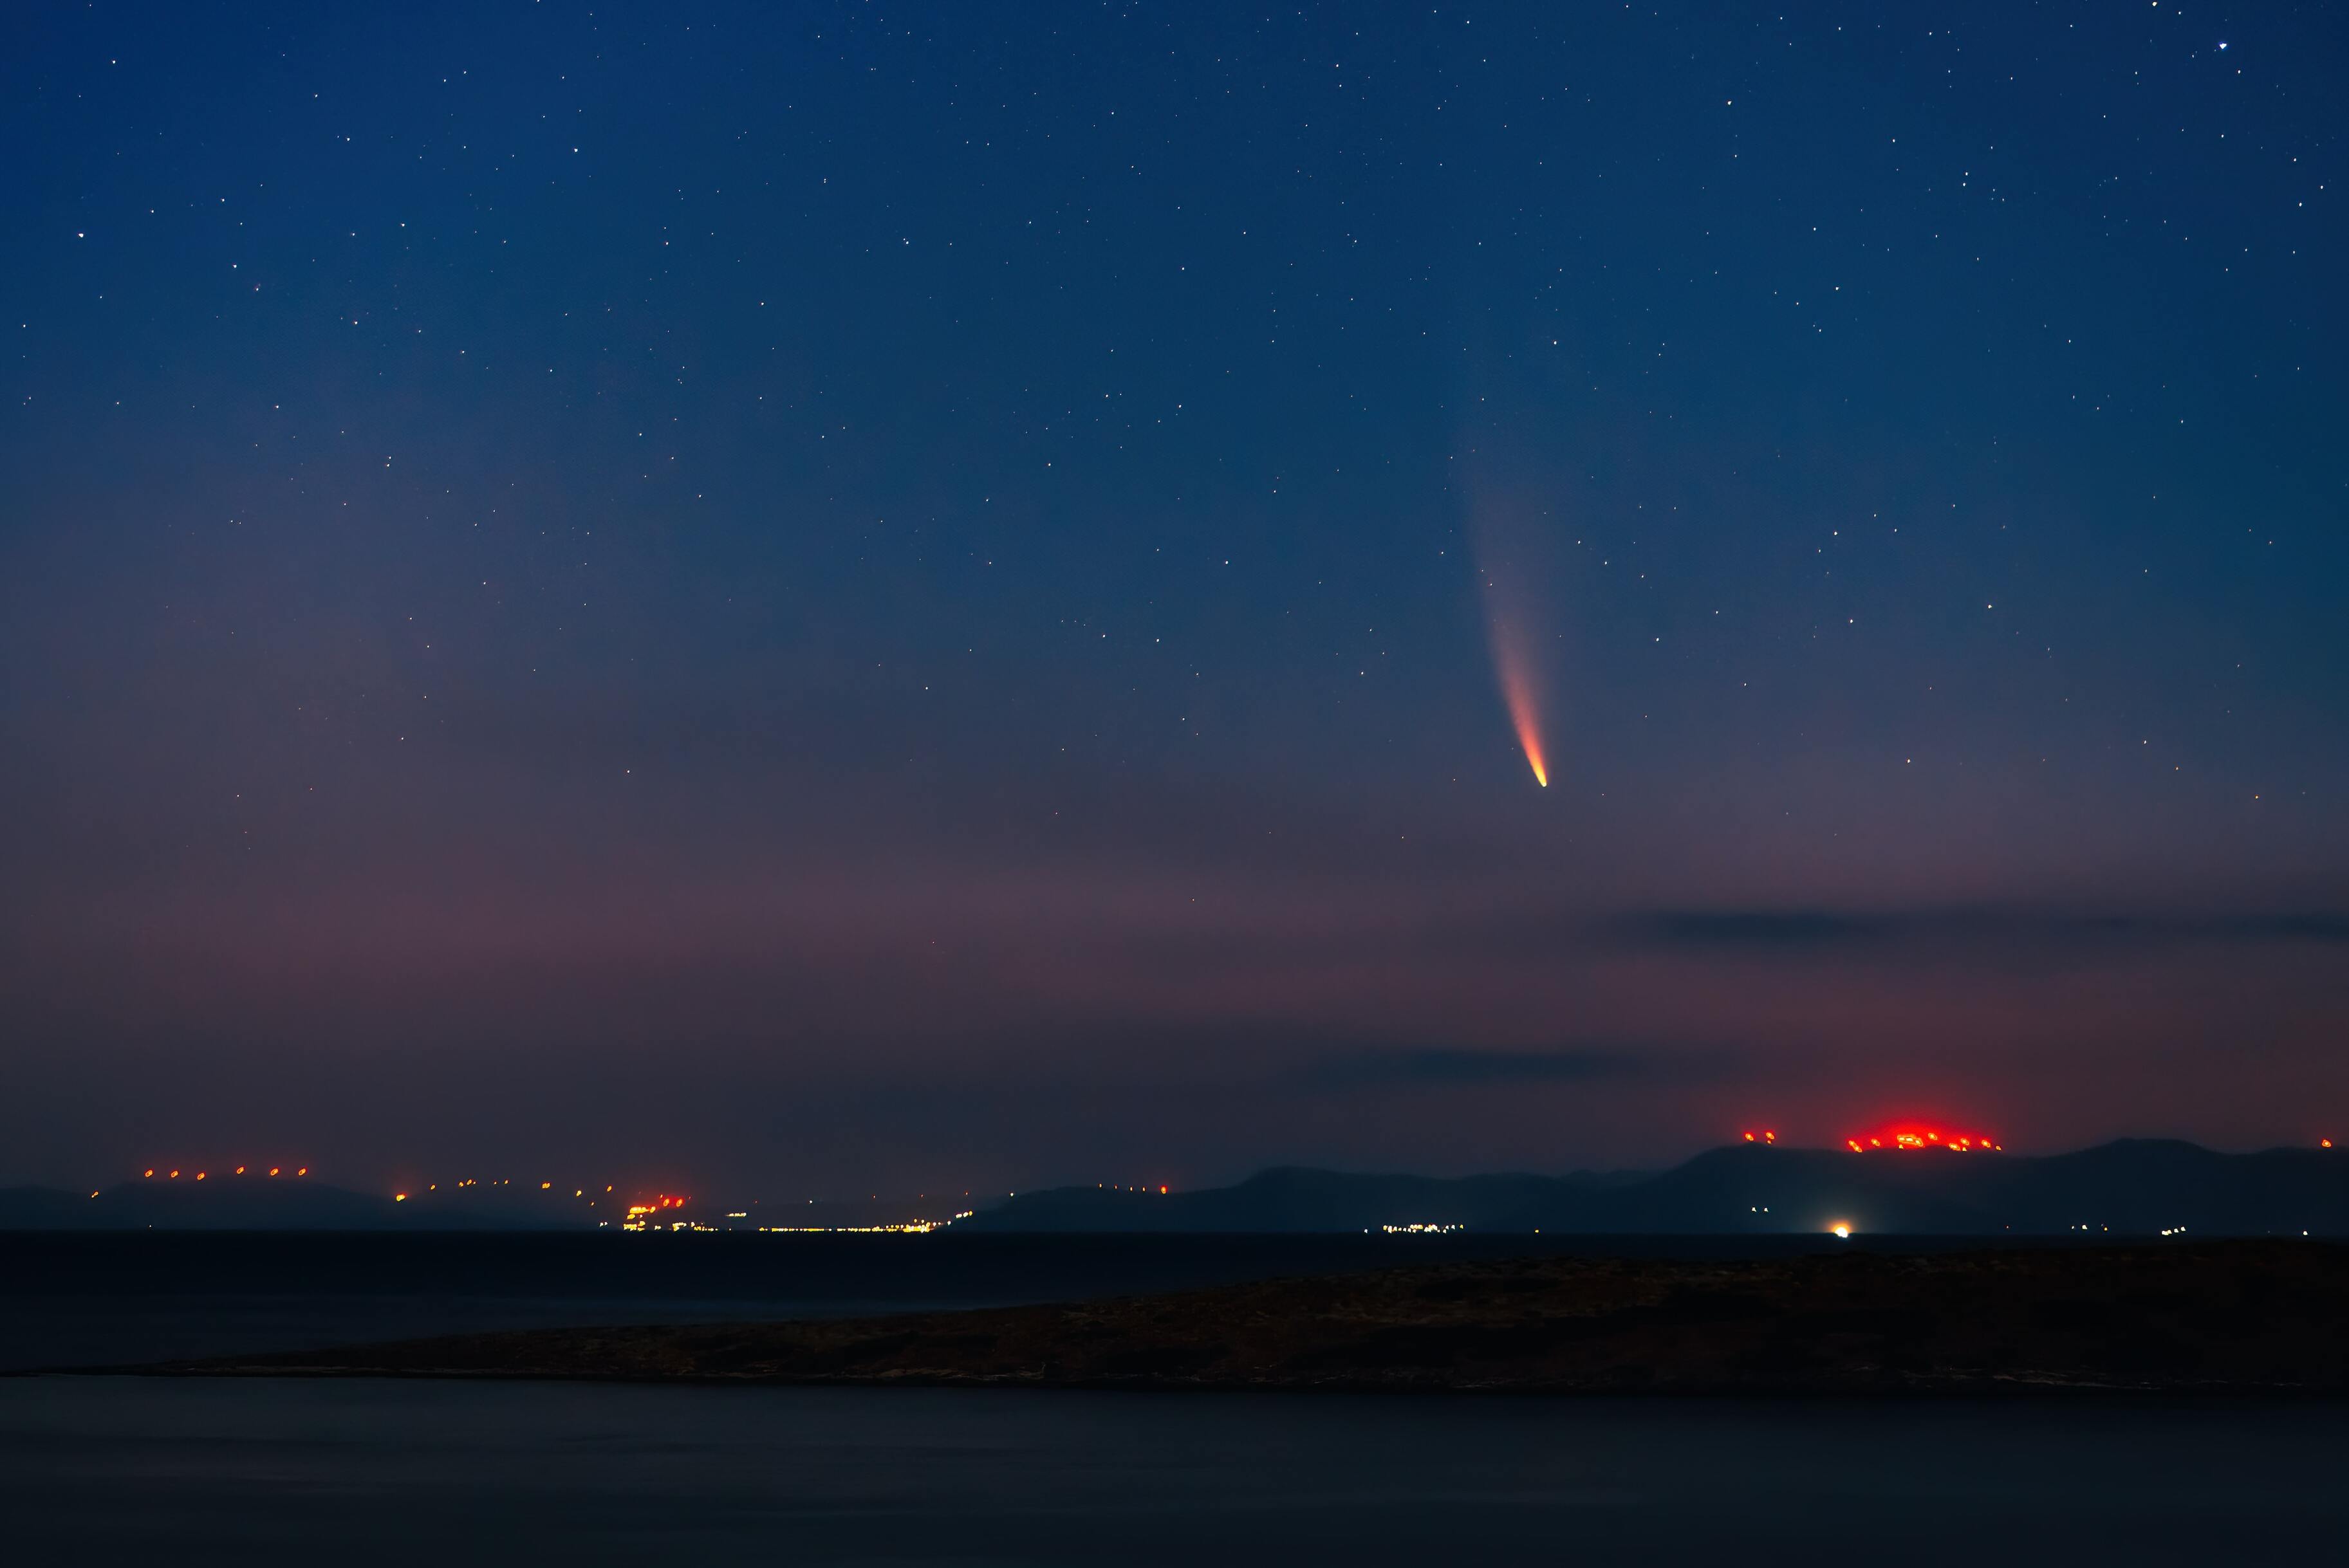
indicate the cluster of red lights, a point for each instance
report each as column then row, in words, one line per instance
column 1911, row 1137
column 1923, row 1137
column 205, row 1175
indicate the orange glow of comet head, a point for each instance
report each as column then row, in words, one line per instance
column 1518, row 712
column 1512, row 562
column 1522, row 698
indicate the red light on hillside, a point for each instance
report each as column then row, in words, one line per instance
column 1923, row 1136
column 2320, row 1143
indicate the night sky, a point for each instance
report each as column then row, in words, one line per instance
column 841, row 597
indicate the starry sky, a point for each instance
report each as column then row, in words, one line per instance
column 846, row 595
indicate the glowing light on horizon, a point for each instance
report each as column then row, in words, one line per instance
column 1907, row 1135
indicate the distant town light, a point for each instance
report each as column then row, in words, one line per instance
column 1842, row 1230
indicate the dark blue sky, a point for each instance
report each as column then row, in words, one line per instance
column 841, row 595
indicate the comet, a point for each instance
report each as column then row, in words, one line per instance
column 1517, row 666
column 1518, row 691
column 1513, row 541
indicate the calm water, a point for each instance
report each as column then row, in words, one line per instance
column 101, row 1470
column 128, row 1470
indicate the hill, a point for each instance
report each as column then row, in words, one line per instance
column 2134, row 1187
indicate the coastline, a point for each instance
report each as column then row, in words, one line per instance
column 2252, row 1318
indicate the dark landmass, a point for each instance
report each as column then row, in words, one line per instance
column 86, row 1298
column 2134, row 1187
column 2230, row 1317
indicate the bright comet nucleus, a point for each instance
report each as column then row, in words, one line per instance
column 1525, row 711
column 1516, row 573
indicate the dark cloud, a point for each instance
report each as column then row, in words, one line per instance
column 1470, row 1066
column 1816, row 930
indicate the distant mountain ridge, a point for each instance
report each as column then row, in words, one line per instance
column 2133, row 1187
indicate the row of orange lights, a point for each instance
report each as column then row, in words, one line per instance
column 501, row 1182
column 201, row 1175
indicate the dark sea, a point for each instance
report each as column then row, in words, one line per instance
column 104, row 1469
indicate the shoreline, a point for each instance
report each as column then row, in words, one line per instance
column 2257, row 1320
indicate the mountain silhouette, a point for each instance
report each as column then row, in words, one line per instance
column 2133, row 1187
